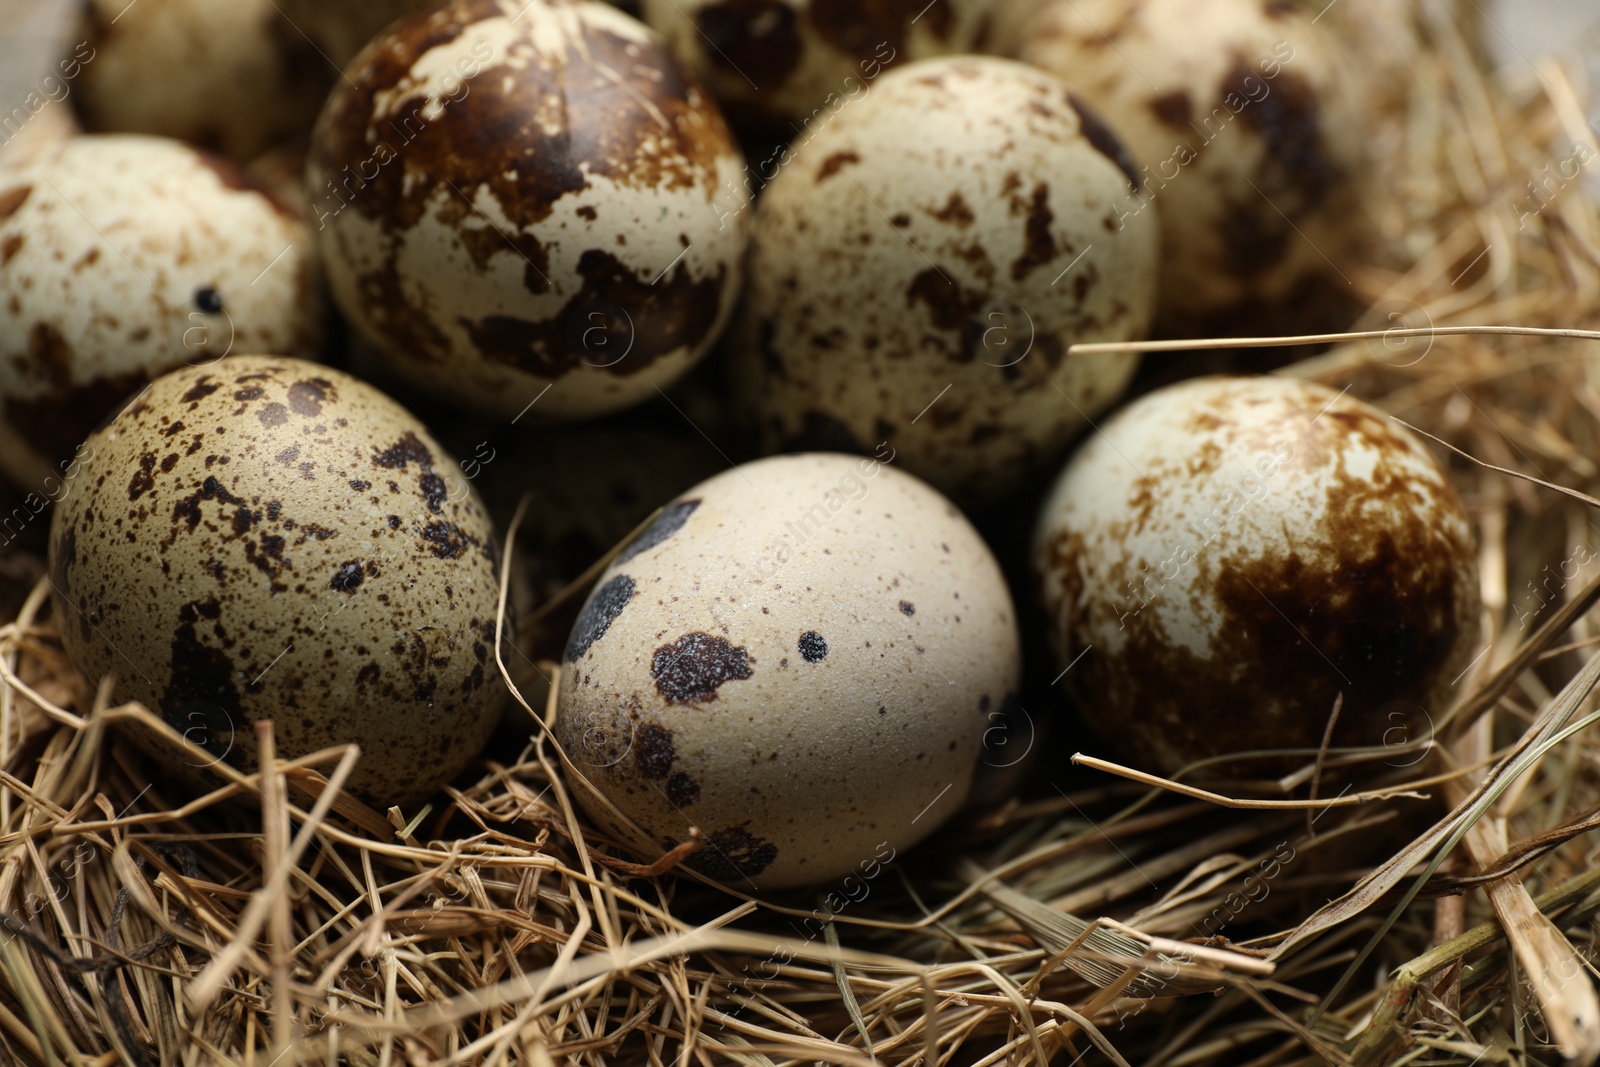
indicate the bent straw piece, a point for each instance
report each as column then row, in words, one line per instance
column 1102, row 347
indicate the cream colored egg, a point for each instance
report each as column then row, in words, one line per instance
column 1248, row 137
column 513, row 197
column 233, row 76
column 799, row 657
column 920, row 267
column 779, row 66
column 265, row 538
column 1230, row 555
column 122, row 257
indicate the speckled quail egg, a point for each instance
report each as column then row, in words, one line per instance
column 513, row 197
column 340, row 28
column 1247, row 135
column 775, row 63
column 233, row 76
column 919, row 268
column 798, row 657
column 266, row 538
column 1229, row 555
column 121, row 257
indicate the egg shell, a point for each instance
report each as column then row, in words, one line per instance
column 233, row 76
column 798, row 657
column 920, row 267
column 122, row 257
column 1248, row 139
column 1230, row 554
column 266, row 538
column 517, row 196
column 772, row 63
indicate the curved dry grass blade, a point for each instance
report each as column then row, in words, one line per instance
column 847, row 993
column 1573, row 493
column 1103, row 347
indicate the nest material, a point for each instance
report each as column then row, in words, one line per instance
column 277, row 920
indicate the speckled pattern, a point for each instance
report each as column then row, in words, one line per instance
column 776, row 62
column 1234, row 552
column 516, row 195
column 953, row 228
column 232, row 76
column 122, row 257
column 267, row 538
column 803, row 668
column 1214, row 97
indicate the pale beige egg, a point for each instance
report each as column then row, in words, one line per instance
column 1230, row 555
column 121, row 257
column 232, row 76
column 799, row 657
column 266, row 538
column 919, row 269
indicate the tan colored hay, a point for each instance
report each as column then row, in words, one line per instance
column 276, row 920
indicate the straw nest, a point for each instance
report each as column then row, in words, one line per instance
column 1434, row 901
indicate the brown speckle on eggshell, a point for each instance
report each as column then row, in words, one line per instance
column 219, row 560
column 1230, row 555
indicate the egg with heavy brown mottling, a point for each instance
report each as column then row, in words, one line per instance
column 122, row 257
column 1248, row 137
column 782, row 66
column 266, row 538
column 799, row 657
column 233, row 76
column 513, row 197
column 1230, row 555
column 919, row 269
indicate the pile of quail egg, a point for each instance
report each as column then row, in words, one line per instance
column 762, row 312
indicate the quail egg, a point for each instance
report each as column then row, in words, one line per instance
column 798, row 657
column 1230, row 555
column 266, row 538
column 121, row 257
column 787, row 65
column 515, row 197
column 233, row 76
column 920, row 267
column 1240, row 115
